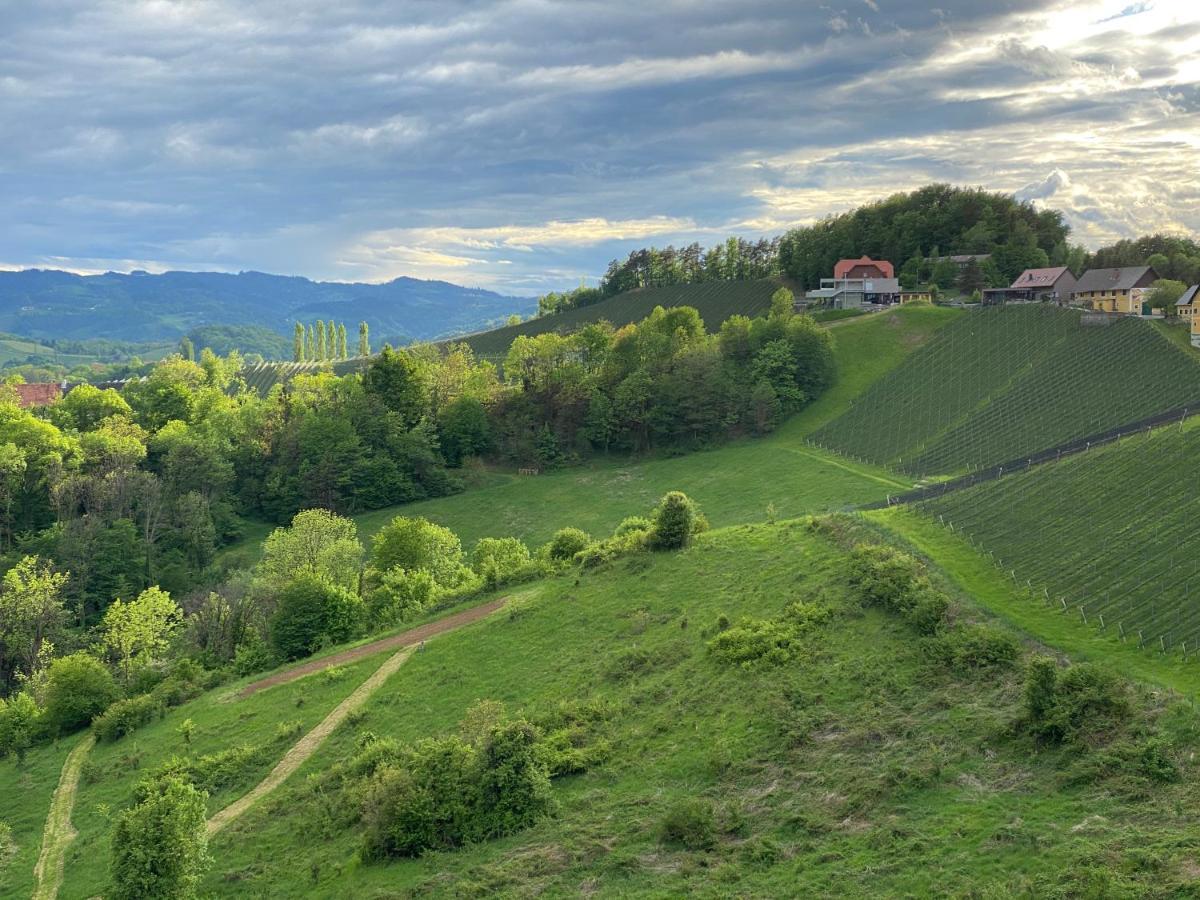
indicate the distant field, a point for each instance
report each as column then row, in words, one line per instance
column 1003, row 382
column 734, row 483
column 715, row 300
column 1107, row 532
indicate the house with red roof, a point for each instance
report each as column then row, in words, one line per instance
column 37, row 394
column 1055, row 284
column 863, row 267
column 857, row 282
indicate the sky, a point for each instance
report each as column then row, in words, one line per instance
column 519, row 146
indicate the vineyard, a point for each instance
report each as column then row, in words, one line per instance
column 261, row 377
column 1104, row 534
column 1004, row 382
column 715, row 300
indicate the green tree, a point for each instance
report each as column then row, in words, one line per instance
column 160, row 845
column 138, row 631
column 322, row 351
column 342, row 353
column 312, row 612
column 31, row 614
column 364, row 339
column 416, row 544
column 186, row 349
column 970, row 279
column 298, row 344
column 1164, row 293
column 78, row 688
column 86, row 406
column 401, row 382
column 318, row 544
column 674, row 522
column 310, row 343
column 464, row 429
column 20, row 719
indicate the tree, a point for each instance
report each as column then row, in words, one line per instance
column 364, row 339
column 970, row 278
column 318, row 544
column 312, row 612
column 31, row 614
column 310, row 343
column 298, row 344
column 341, row 341
column 19, row 722
column 1164, row 293
column 139, row 630
column 465, row 430
column 86, row 406
column 783, row 304
column 160, row 845
column 322, row 352
column 674, row 522
column 401, row 382
column 416, row 544
column 78, row 688
column 186, row 349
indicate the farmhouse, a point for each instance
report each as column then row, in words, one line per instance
column 1054, row 284
column 1187, row 307
column 856, row 282
column 1115, row 290
column 37, row 394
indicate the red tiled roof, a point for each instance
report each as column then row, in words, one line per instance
column 844, row 266
column 37, row 394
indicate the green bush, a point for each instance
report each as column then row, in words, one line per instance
column 126, row 716
column 78, row 688
column 974, row 647
column 567, row 542
column 160, row 846
column 215, row 771
column 771, row 641
column 885, row 576
column 689, row 824
column 252, row 655
column 633, row 525
column 497, row 560
column 19, row 724
column 311, row 613
column 417, row 544
column 399, row 595
column 1084, row 703
column 674, row 522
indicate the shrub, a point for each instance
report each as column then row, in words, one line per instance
column 312, row 612
column 772, row 641
column 567, row 542
column 886, row 576
column 19, row 722
column 674, row 522
column 974, row 647
column 1081, row 703
column 400, row 593
column 633, row 525
column 126, row 716
column 927, row 612
column 78, row 687
column 160, row 846
column 418, row 544
column 498, row 559
column 514, row 787
column 252, row 655
column 689, row 824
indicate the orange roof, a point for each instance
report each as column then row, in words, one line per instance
column 37, row 394
column 845, row 265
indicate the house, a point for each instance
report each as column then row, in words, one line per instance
column 37, row 394
column 856, row 282
column 1115, row 290
column 1054, row 284
column 862, row 268
column 1187, row 307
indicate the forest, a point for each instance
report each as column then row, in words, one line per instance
column 108, row 495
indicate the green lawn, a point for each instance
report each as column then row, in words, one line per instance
column 733, row 484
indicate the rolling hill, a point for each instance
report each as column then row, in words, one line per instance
column 140, row 306
column 1004, row 382
column 716, row 301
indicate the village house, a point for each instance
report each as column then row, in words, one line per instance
column 1053, row 284
column 857, row 282
column 1187, row 307
column 1115, row 290
column 37, row 394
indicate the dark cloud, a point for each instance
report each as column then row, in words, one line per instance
column 521, row 144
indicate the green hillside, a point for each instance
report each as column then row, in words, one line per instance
column 1101, row 534
column 695, row 775
column 1006, row 381
column 716, row 301
column 734, row 483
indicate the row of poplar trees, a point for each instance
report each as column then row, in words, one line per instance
column 320, row 341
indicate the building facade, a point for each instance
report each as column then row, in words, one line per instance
column 1119, row 291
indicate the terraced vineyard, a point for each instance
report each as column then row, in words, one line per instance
column 1104, row 534
column 715, row 300
column 1008, row 381
column 263, row 376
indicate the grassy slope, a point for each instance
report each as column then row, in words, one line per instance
column 733, row 484
column 856, row 771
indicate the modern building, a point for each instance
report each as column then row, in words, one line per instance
column 1119, row 290
column 1054, row 284
column 857, row 282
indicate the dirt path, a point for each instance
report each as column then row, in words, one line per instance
column 59, row 831
column 307, row 745
column 404, row 639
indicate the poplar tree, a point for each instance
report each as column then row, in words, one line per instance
column 342, row 350
column 298, row 344
column 364, row 340
column 321, row 340
column 310, row 344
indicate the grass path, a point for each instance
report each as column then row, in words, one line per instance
column 308, row 745
column 59, row 831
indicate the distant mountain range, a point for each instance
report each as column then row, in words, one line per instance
column 140, row 306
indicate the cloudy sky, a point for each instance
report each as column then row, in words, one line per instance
column 521, row 145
